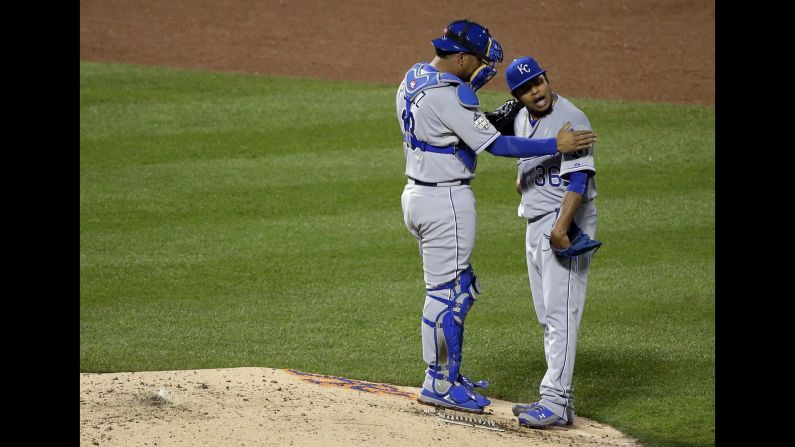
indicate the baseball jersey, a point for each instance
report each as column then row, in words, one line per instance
column 441, row 119
column 544, row 178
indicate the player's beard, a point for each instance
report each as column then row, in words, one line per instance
column 537, row 114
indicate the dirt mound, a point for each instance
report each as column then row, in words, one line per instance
column 274, row 407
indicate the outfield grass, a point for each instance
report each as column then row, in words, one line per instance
column 230, row 220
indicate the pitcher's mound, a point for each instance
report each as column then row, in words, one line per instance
column 276, row 407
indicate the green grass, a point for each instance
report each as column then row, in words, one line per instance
column 230, row 220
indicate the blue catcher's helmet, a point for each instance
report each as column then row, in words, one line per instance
column 522, row 70
column 471, row 37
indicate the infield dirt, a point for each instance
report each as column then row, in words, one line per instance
column 643, row 50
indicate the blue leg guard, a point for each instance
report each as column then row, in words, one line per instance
column 457, row 297
column 464, row 291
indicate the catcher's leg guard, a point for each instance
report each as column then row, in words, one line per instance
column 446, row 308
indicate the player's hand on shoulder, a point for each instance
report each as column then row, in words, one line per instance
column 574, row 140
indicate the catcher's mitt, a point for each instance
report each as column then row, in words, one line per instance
column 502, row 118
column 581, row 243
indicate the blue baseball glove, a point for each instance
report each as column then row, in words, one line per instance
column 581, row 243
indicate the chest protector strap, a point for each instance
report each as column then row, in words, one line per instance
column 417, row 82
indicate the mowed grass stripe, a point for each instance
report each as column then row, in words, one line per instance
column 231, row 220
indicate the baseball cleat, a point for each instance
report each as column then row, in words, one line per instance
column 539, row 416
column 457, row 398
column 524, row 408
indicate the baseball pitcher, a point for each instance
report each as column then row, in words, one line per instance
column 558, row 193
column 444, row 131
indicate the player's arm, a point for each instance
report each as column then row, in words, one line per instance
column 463, row 118
column 567, row 141
column 572, row 198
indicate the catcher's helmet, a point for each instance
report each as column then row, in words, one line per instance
column 469, row 37
column 522, row 70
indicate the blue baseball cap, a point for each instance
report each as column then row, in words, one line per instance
column 521, row 70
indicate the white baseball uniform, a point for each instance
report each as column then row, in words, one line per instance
column 441, row 217
column 558, row 285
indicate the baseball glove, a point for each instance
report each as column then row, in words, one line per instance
column 581, row 243
column 502, row 118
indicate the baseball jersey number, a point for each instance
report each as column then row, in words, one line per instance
column 544, row 176
column 410, row 120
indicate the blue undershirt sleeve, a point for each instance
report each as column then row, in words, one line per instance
column 577, row 182
column 518, row 147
